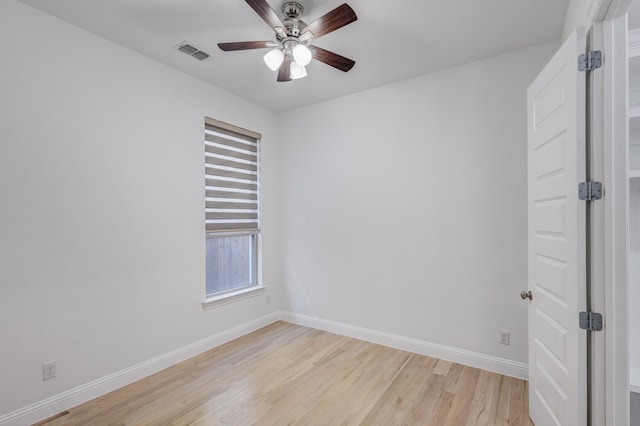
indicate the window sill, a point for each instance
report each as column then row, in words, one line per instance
column 232, row 296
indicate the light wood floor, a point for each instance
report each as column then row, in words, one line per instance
column 287, row 374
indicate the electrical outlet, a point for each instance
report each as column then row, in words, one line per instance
column 504, row 337
column 49, row 370
column 268, row 299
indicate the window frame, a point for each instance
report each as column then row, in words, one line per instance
column 257, row 287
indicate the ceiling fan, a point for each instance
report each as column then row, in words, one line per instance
column 291, row 52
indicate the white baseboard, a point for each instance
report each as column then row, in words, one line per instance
column 58, row 403
column 473, row 359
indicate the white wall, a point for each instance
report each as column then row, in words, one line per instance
column 102, row 215
column 405, row 207
column 576, row 16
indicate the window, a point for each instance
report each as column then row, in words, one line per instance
column 231, row 209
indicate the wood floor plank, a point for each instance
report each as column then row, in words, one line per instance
column 478, row 413
column 464, row 390
column 379, row 373
column 517, row 404
column 442, row 368
column 397, row 402
column 426, row 401
column 441, row 410
column 504, row 400
column 452, row 376
column 286, row 374
column 487, row 389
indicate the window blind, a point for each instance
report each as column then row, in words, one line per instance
column 231, row 178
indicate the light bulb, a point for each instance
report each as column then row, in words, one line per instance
column 302, row 54
column 297, row 71
column 274, row 59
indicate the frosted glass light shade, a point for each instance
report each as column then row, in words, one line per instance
column 297, row 71
column 302, row 54
column 274, row 59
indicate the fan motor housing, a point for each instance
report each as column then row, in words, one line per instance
column 293, row 25
column 292, row 9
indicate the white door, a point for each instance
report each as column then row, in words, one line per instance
column 556, row 165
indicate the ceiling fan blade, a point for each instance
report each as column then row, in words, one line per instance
column 332, row 59
column 246, row 45
column 284, row 73
column 269, row 16
column 337, row 18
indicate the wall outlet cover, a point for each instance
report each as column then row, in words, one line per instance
column 49, row 370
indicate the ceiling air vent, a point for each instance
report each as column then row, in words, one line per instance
column 190, row 50
column 200, row 55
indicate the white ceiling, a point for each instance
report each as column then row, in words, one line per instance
column 390, row 41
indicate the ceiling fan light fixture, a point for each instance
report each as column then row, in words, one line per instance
column 302, row 55
column 274, row 59
column 289, row 53
column 297, row 71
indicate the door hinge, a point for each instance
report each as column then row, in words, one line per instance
column 590, row 61
column 589, row 191
column 591, row 321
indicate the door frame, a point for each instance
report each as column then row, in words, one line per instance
column 610, row 130
column 615, row 126
column 606, row 25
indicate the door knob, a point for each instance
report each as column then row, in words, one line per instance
column 526, row 295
